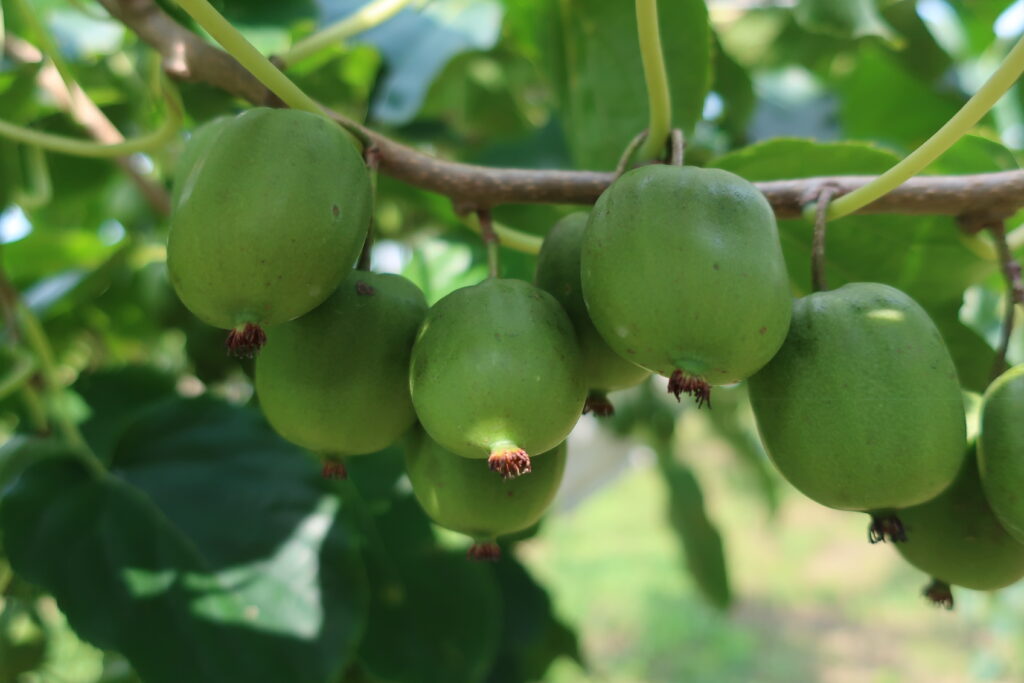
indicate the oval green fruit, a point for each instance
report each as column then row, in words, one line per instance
column 336, row 380
column 683, row 274
column 269, row 220
column 1001, row 449
column 558, row 272
column 497, row 373
column 957, row 539
column 462, row 495
column 861, row 408
column 203, row 139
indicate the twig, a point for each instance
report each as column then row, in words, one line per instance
column 818, row 279
column 627, row 154
column 1014, row 293
column 676, row 147
column 188, row 57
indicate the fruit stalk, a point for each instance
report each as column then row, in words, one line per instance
column 491, row 241
column 818, row 278
column 1014, row 293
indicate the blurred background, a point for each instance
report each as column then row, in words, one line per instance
column 798, row 593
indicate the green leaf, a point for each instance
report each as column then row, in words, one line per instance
column 440, row 611
column 925, row 256
column 843, row 18
column 600, row 74
column 702, row 544
column 212, row 553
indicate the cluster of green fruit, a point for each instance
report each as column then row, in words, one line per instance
column 677, row 271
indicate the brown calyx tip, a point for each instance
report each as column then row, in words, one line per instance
column 598, row 404
column 681, row 383
column 245, row 341
column 364, row 289
column 886, row 528
column 334, row 469
column 939, row 594
column 509, row 462
column 487, row 551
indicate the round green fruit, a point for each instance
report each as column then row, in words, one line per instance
column 1001, row 449
column 203, row 138
column 336, row 380
column 683, row 274
column 269, row 219
column 957, row 539
column 558, row 272
column 497, row 373
column 861, row 408
column 462, row 495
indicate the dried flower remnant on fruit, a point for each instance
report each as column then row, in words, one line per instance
column 334, row 469
column 886, row 528
column 484, row 552
column 681, row 383
column 365, row 289
column 509, row 462
column 598, row 404
column 245, row 341
column 939, row 594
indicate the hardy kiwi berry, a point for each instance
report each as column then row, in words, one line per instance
column 861, row 408
column 462, row 495
column 558, row 272
column 269, row 219
column 496, row 373
column 1001, row 449
column 683, row 274
column 336, row 380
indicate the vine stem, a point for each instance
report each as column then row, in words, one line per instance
column 954, row 129
column 491, row 241
column 508, row 237
column 363, row 19
column 249, row 57
column 658, row 96
column 86, row 148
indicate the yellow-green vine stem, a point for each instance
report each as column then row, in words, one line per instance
column 958, row 126
column 658, row 97
column 86, row 148
column 510, row 238
column 36, row 339
column 40, row 188
column 363, row 19
column 249, row 57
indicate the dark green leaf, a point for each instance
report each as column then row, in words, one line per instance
column 212, row 553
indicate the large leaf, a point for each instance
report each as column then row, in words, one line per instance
column 600, row 77
column 843, row 18
column 925, row 256
column 211, row 553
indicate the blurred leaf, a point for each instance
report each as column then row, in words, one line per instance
column 22, row 451
column 843, row 18
column 212, row 552
column 600, row 75
column 701, row 541
column 733, row 85
column 531, row 637
column 924, row 256
column 973, row 357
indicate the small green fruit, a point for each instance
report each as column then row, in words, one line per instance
column 1001, row 449
column 558, row 272
column 497, row 373
column 462, row 495
column 336, row 380
column 269, row 220
column 957, row 539
column 202, row 140
column 861, row 408
column 683, row 274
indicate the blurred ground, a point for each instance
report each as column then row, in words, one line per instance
column 814, row 601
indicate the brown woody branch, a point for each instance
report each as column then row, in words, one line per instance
column 470, row 187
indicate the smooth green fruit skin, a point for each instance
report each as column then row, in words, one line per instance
column 1001, row 449
column 335, row 381
column 497, row 364
column 957, row 538
column 465, row 496
column 269, row 219
column 861, row 408
column 682, row 269
column 558, row 272
column 203, row 139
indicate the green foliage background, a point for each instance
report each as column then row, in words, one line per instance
column 217, row 553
